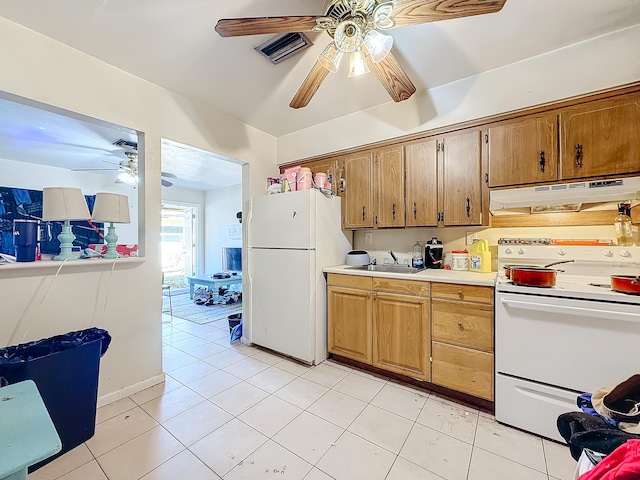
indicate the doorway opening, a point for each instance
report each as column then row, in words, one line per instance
column 177, row 244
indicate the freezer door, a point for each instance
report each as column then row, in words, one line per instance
column 285, row 220
column 282, row 305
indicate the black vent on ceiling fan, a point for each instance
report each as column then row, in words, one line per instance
column 126, row 143
column 283, row 46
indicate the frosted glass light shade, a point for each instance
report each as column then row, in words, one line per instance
column 357, row 64
column 348, row 36
column 64, row 203
column 111, row 207
column 128, row 178
column 330, row 58
column 378, row 45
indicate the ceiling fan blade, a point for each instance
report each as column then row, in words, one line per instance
column 233, row 27
column 168, row 175
column 166, row 183
column 412, row 12
column 310, row 86
column 392, row 77
column 94, row 169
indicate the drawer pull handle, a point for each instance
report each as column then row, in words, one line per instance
column 460, row 294
column 460, row 324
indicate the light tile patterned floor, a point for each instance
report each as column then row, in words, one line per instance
column 236, row 412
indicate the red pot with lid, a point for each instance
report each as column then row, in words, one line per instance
column 626, row 284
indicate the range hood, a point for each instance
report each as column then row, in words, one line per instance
column 564, row 196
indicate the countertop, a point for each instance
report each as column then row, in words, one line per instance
column 427, row 275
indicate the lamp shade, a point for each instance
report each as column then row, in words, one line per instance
column 64, row 203
column 111, row 207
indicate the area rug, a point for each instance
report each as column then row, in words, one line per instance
column 184, row 308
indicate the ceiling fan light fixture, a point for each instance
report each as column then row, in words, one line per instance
column 349, row 36
column 378, row 45
column 330, row 58
column 357, row 64
column 128, row 178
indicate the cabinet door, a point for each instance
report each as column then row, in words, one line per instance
column 524, row 151
column 461, row 183
column 389, row 191
column 358, row 212
column 421, row 181
column 401, row 339
column 601, row 138
column 349, row 323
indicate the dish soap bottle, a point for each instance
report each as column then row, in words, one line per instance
column 623, row 227
column 417, row 261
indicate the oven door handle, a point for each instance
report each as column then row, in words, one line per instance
column 585, row 312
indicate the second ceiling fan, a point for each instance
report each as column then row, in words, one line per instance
column 354, row 26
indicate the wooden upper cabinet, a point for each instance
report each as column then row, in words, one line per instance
column 421, row 183
column 461, row 183
column 523, row 151
column 389, row 187
column 601, row 138
column 357, row 197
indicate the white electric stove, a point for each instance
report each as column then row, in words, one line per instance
column 554, row 343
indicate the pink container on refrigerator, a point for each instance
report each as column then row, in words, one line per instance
column 291, row 175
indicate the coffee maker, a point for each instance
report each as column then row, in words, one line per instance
column 433, row 253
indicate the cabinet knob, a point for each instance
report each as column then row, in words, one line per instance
column 460, row 294
column 460, row 325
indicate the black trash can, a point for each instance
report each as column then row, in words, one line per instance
column 65, row 370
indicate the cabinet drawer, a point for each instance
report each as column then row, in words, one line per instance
column 408, row 287
column 350, row 281
column 456, row 323
column 462, row 369
column 467, row 293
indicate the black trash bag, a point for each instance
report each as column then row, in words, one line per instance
column 15, row 356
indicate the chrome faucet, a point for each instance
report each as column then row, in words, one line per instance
column 393, row 255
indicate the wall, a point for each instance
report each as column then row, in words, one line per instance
column 402, row 240
column 127, row 302
column 40, row 176
column 595, row 64
column 221, row 206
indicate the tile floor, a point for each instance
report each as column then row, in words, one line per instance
column 237, row 412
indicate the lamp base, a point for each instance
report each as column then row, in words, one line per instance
column 112, row 240
column 66, row 239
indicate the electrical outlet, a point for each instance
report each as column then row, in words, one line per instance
column 471, row 236
column 368, row 238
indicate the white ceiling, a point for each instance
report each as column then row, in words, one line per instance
column 34, row 133
column 173, row 43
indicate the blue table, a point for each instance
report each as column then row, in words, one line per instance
column 27, row 434
column 214, row 283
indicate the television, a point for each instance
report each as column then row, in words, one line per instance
column 232, row 259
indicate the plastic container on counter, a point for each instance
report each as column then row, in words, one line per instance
column 459, row 260
column 305, row 181
column 480, row 256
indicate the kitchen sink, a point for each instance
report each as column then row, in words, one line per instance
column 387, row 268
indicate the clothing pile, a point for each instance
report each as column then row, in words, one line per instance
column 605, row 437
column 224, row 296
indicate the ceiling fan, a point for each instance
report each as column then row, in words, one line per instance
column 129, row 170
column 354, row 27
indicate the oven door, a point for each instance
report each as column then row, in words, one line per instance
column 551, row 349
column 579, row 345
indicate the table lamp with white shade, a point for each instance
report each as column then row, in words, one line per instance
column 64, row 203
column 112, row 208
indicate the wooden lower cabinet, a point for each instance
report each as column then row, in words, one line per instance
column 401, row 339
column 349, row 328
column 463, row 369
column 435, row 332
column 462, row 335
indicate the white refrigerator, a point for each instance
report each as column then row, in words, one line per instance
column 291, row 237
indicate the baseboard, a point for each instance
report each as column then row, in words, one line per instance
column 128, row 391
